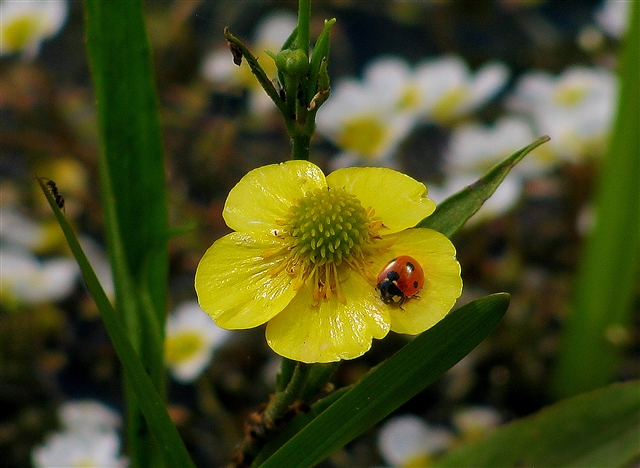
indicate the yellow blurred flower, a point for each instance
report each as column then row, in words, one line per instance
column 306, row 252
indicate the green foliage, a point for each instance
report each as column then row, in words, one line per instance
column 392, row 383
column 133, row 189
column 608, row 277
column 595, row 429
column 456, row 210
column 151, row 404
column 598, row 428
column 303, row 82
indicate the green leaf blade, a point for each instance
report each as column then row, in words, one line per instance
column 607, row 279
column 320, row 53
column 600, row 428
column 131, row 164
column 452, row 213
column 393, row 382
column 132, row 156
column 150, row 401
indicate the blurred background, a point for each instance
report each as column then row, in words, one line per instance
column 441, row 90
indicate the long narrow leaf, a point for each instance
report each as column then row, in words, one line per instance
column 133, row 189
column 152, row 406
column 392, row 383
column 601, row 428
column 607, row 280
column 452, row 213
column 130, row 135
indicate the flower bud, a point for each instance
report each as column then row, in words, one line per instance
column 293, row 62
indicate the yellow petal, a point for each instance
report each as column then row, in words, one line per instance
column 442, row 281
column 399, row 201
column 265, row 194
column 235, row 284
column 332, row 330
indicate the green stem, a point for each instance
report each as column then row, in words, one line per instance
column 318, row 379
column 301, row 146
column 286, row 372
column 304, row 21
column 281, row 401
column 241, row 51
column 291, row 84
column 296, row 386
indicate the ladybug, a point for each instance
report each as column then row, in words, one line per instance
column 399, row 280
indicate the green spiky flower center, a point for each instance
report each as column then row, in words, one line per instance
column 328, row 233
column 328, row 225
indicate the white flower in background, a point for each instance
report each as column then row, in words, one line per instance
column 364, row 122
column 408, row 440
column 23, row 278
column 614, row 17
column 369, row 118
column 475, row 148
column 440, row 89
column 390, row 79
column 475, row 422
column 88, row 415
column 20, row 234
column 88, row 438
column 79, row 450
column 270, row 34
column 503, row 199
column 17, row 229
column 576, row 109
column 448, row 90
column 191, row 340
column 20, row 230
column 24, row 24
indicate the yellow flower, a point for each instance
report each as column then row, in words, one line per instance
column 306, row 253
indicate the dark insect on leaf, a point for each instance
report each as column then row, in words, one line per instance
column 53, row 188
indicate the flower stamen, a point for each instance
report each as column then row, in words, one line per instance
column 327, row 233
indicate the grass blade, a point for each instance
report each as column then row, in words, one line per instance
column 607, row 280
column 133, row 190
column 151, row 404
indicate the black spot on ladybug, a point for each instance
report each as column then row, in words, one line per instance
column 415, row 284
column 393, row 276
column 410, row 267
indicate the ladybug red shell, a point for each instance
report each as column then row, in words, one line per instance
column 399, row 280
